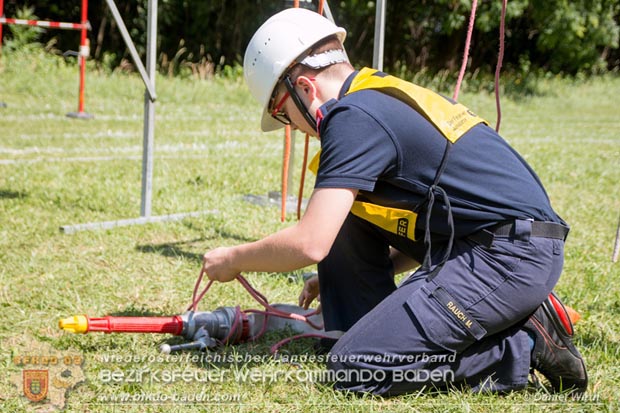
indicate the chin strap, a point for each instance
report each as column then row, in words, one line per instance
column 299, row 103
column 316, row 61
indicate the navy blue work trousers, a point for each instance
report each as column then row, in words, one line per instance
column 462, row 327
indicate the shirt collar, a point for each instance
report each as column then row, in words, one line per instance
column 347, row 84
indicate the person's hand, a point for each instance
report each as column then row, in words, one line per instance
column 310, row 292
column 217, row 265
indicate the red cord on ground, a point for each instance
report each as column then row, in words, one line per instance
column 269, row 311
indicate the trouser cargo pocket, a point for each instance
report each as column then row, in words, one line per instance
column 443, row 319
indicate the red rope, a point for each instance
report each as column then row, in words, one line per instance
column 285, row 168
column 470, row 29
column 260, row 298
column 195, row 300
column 269, row 311
column 500, row 58
column 302, row 180
column 233, row 328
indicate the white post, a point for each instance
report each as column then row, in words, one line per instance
column 149, row 112
column 377, row 55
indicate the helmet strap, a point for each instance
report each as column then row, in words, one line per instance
column 298, row 102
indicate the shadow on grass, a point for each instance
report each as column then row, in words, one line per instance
column 181, row 249
column 8, row 194
column 173, row 249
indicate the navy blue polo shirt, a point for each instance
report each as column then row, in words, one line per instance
column 382, row 147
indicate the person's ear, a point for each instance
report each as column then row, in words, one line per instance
column 307, row 86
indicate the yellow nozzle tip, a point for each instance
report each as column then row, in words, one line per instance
column 75, row 324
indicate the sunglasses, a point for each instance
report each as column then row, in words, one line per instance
column 278, row 114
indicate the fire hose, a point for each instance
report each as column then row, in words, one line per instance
column 204, row 330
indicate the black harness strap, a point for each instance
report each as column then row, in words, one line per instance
column 429, row 203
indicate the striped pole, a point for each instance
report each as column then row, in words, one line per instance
column 82, row 56
column 2, row 104
column 1, row 17
column 42, row 23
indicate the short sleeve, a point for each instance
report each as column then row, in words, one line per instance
column 356, row 149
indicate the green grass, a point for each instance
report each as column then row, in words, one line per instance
column 209, row 153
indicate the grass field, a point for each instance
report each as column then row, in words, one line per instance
column 209, row 153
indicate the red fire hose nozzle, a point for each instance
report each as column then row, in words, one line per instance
column 112, row 324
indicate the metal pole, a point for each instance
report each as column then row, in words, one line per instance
column 149, row 112
column 72, row 229
column 132, row 49
column 328, row 12
column 377, row 55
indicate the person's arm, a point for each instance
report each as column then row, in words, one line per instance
column 303, row 244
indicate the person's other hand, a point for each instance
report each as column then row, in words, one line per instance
column 310, row 292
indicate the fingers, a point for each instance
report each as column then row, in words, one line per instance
column 305, row 300
column 309, row 292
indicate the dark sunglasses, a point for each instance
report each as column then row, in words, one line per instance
column 278, row 114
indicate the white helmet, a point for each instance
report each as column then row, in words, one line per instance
column 275, row 46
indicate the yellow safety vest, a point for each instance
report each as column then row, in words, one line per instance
column 451, row 119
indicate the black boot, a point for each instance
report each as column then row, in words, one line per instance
column 554, row 355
